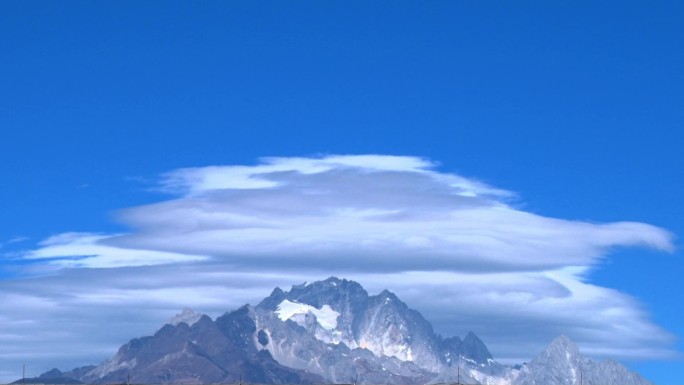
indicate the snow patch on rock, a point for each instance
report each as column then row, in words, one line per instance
column 187, row 316
column 325, row 316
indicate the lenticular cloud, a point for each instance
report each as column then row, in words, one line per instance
column 453, row 247
column 358, row 212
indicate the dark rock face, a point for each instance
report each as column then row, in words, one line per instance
column 207, row 352
column 329, row 331
column 471, row 348
column 475, row 349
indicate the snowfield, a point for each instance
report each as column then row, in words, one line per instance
column 325, row 316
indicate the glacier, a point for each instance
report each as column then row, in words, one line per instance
column 325, row 316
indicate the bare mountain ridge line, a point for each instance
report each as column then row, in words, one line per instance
column 331, row 331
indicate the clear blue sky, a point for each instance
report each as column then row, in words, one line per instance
column 576, row 106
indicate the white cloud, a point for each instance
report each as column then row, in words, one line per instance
column 356, row 212
column 12, row 241
column 84, row 250
column 232, row 233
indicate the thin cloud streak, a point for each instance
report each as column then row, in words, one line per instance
column 85, row 250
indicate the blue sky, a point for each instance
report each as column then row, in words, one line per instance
column 575, row 108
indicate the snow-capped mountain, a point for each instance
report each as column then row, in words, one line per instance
column 335, row 329
column 331, row 331
column 341, row 312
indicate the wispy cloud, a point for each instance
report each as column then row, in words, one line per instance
column 229, row 234
column 13, row 240
column 85, row 250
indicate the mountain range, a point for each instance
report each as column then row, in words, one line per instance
column 330, row 331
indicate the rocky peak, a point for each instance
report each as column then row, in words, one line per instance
column 273, row 300
column 340, row 294
column 473, row 347
column 563, row 343
column 562, row 349
column 388, row 296
column 562, row 363
column 187, row 316
column 54, row 373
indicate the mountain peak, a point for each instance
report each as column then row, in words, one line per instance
column 386, row 294
column 565, row 344
column 333, row 280
column 562, row 363
column 470, row 335
column 474, row 348
column 338, row 283
column 187, row 316
column 277, row 291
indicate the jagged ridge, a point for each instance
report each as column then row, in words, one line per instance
column 331, row 331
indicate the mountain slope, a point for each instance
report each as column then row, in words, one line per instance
column 198, row 354
column 562, row 363
column 331, row 331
